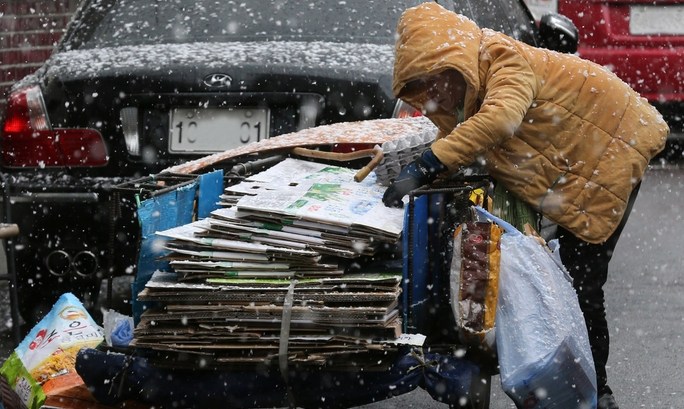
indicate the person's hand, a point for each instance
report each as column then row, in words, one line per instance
column 421, row 171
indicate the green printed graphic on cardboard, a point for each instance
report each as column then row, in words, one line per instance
column 324, row 192
column 297, row 204
column 334, row 170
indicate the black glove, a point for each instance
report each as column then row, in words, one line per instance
column 421, row 171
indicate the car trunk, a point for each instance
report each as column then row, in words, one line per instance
column 154, row 116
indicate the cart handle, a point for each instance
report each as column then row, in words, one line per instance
column 376, row 153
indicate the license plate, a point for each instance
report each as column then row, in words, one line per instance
column 216, row 130
column 663, row 19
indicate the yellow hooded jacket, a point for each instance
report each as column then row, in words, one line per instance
column 562, row 133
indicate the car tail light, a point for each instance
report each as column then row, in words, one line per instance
column 28, row 140
column 404, row 110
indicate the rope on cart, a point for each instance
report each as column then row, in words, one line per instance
column 419, row 356
column 284, row 340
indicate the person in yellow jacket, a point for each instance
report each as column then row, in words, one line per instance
column 563, row 134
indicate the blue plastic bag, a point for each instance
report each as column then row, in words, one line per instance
column 542, row 343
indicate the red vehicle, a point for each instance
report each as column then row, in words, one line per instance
column 642, row 41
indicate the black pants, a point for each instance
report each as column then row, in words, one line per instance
column 588, row 265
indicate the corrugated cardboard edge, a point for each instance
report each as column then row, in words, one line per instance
column 376, row 131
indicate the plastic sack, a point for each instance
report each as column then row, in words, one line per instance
column 474, row 281
column 542, row 343
column 118, row 328
column 44, row 361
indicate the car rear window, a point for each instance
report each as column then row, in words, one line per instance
column 507, row 16
column 133, row 22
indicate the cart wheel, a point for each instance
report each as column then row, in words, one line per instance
column 480, row 392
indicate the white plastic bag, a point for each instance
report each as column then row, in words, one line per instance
column 118, row 328
column 542, row 343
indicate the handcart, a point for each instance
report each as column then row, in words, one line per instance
column 450, row 371
column 432, row 215
column 417, row 271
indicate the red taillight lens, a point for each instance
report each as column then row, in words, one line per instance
column 404, row 110
column 60, row 147
column 29, row 141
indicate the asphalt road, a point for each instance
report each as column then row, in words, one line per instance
column 645, row 302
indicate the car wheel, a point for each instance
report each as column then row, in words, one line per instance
column 480, row 391
column 36, row 301
column 33, row 306
column 673, row 152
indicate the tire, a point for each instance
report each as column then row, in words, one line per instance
column 37, row 298
column 33, row 306
column 673, row 152
column 480, row 391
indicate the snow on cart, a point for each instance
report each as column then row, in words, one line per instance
column 273, row 275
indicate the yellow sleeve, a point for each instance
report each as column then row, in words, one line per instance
column 509, row 88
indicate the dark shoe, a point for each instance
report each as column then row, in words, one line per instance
column 607, row 401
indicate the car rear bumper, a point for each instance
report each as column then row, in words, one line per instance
column 67, row 228
column 54, row 197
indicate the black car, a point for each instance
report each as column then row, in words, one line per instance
column 137, row 86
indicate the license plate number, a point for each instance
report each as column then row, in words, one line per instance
column 662, row 19
column 216, row 130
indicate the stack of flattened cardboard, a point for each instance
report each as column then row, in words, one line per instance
column 267, row 275
column 318, row 197
column 244, row 320
column 199, row 251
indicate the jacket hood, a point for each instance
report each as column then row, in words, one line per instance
column 562, row 133
column 432, row 39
